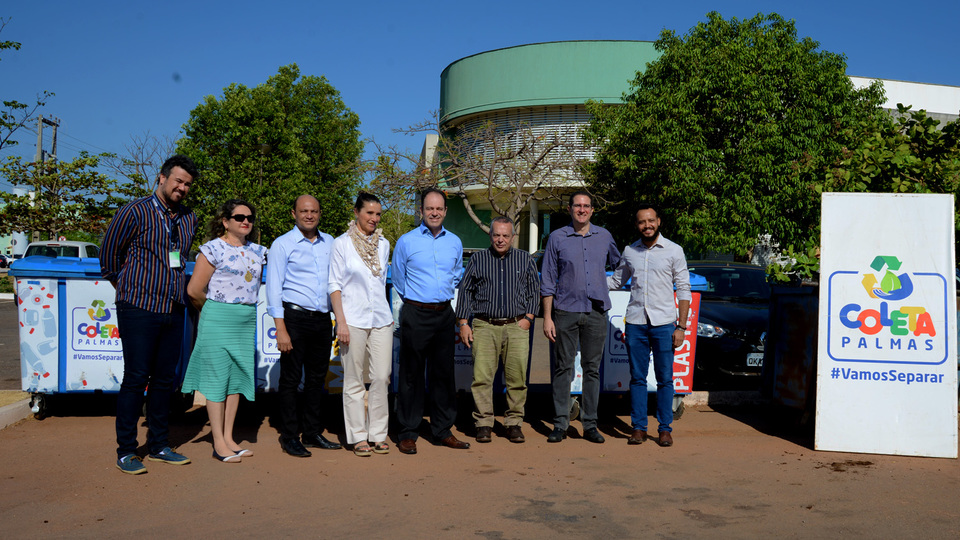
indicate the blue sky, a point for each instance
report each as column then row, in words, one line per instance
column 124, row 68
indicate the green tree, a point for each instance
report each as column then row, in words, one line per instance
column 729, row 131
column 909, row 154
column 269, row 144
column 15, row 114
column 67, row 196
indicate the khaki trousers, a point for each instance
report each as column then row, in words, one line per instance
column 490, row 344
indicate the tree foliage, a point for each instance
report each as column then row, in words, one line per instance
column 729, row 131
column 503, row 166
column 15, row 114
column 269, row 144
column 67, row 196
column 909, row 154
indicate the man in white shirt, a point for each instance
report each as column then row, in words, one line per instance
column 655, row 266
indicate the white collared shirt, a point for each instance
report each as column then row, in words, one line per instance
column 654, row 272
column 362, row 294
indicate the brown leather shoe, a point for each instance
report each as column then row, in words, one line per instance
column 637, row 437
column 453, row 442
column 666, row 439
column 484, row 434
column 514, row 434
column 407, row 446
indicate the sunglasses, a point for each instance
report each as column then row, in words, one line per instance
column 240, row 218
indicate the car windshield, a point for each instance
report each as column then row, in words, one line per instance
column 734, row 282
column 54, row 251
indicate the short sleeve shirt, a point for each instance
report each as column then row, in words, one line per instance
column 236, row 278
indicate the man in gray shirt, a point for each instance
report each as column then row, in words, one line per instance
column 654, row 265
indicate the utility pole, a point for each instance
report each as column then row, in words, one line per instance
column 42, row 156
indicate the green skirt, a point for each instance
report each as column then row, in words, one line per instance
column 222, row 362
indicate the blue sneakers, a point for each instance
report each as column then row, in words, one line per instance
column 131, row 464
column 167, row 455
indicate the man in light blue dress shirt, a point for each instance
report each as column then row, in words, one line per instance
column 297, row 298
column 427, row 264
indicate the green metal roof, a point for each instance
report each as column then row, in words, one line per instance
column 557, row 73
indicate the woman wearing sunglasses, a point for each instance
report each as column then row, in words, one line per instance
column 224, row 288
column 358, row 280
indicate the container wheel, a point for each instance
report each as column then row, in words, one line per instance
column 678, row 407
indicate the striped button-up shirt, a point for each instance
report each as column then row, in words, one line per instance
column 135, row 254
column 499, row 287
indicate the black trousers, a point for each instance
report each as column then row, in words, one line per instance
column 311, row 336
column 426, row 351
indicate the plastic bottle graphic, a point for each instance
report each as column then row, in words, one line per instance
column 32, row 368
column 49, row 323
column 113, row 382
column 47, row 347
column 31, row 317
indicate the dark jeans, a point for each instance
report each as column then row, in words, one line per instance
column 151, row 352
column 426, row 344
column 311, row 335
column 589, row 331
column 641, row 339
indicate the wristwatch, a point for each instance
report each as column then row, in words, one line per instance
column 529, row 318
column 681, row 327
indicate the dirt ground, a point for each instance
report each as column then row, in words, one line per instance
column 733, row 473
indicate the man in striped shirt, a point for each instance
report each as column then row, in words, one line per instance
column 143, row 256
column 500, row 289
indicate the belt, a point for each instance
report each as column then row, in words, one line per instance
column 440, row 306
column 499, row 322
column 305, row 311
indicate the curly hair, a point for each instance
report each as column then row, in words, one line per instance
column 216, row 228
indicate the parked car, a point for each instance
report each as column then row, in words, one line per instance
column 66, row 248
column 734, row 312
column 5, row 260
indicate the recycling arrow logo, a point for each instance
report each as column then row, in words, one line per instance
column 890, row 286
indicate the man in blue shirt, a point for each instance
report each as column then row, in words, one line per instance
column 297, row 299
column 575, row 304
column 143, row 257
column 427, row 264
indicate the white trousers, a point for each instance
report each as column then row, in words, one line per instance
column 369, row 356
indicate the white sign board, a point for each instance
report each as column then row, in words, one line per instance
column 887, row 349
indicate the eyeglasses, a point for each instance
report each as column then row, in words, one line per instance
column 240, row 218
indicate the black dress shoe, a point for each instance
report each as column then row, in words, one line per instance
column 294, row 448
column 593, row 435
column 484, row 434
column 318, row 441
column 557, row 435
column 514, row 434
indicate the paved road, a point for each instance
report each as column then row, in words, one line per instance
column 9, row 346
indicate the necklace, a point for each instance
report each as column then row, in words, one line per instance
column 239, row 249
